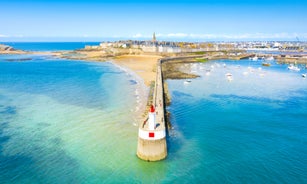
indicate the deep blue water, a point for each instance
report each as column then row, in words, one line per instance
column 49, row 46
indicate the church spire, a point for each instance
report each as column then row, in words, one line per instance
column 154, row 37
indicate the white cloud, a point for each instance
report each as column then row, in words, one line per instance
column 138, row 35
column 3, row 36
column 180, row 35
column 19, row 36
column 282, row 35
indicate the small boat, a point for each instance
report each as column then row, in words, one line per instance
column 229, row 78
column 293, row 68
column 187, row 82
column 271, row 58
column 266, row 64
column 228, row 74
column 255, row 58
column 304, row 75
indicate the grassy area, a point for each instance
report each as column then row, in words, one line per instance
column 199, row 53
column 201, row 60
column 171, row 70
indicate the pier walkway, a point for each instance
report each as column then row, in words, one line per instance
column 152, row 143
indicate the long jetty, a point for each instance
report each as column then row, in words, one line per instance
column 152, row 132
column 152, row 141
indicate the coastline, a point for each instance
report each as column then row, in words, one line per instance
column 141, row 92
column 143, row 65
column 142, row 68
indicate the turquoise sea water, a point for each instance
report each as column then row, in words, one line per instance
column 252, row 129
column 74, row 122
column 49, row 46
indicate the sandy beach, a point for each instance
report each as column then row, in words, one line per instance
column 143, row 65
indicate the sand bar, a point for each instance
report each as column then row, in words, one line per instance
column 143, row 65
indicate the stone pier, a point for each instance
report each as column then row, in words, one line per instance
column 152, row 141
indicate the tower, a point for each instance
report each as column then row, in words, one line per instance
column 154, row 37
column 152, row 118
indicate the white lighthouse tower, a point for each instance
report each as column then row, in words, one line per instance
column 152, row 118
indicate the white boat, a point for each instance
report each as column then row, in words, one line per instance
column 228, row 74
column 255, row 58
column 304, row 75
column 229, row 78
column 293, row 68
column 271, row 58
column 187, row 82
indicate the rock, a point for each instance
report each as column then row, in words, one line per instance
column 6, row 48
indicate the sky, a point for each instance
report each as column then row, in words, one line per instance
column 188, row 20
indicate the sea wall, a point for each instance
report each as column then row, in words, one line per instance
column 152, row 143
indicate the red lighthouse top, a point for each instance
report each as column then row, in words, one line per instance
column 152, row 108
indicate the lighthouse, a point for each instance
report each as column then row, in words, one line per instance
column 152, row 132
column 152, row 118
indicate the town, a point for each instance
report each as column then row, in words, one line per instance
column 154, row 46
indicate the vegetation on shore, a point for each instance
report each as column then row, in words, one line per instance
column 171, row 70
column 201, row 60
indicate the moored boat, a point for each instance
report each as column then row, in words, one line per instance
column 187, row 82
column 255, row 58
column 266, row 64
column 228, row 74
column 293, row 68
column 271, row 58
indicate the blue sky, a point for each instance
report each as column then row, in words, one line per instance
column 94, row 20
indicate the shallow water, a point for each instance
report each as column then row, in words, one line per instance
column 66, row 122
column 251, row 129
column 74, row 122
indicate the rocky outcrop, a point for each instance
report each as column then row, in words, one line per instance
column 6, row 48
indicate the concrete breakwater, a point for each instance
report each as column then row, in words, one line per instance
column 152, row 132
